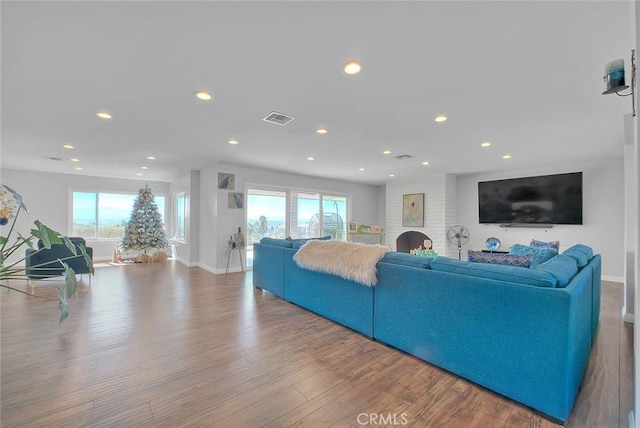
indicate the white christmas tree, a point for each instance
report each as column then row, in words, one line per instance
column 144, row 229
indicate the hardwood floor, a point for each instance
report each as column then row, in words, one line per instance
column 164, row 345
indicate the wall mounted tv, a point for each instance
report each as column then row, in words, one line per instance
column 547, row 199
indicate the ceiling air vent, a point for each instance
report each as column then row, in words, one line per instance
column 53, row 158
column 278, row 118
column 403, row 157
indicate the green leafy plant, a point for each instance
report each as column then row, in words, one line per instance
column 11, row 205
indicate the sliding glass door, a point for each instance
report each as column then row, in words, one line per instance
column 334, row 215
column 282, row 213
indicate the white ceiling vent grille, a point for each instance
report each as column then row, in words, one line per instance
column 278, row 118
column 403, row 157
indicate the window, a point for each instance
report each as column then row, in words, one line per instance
column 305, row 212
column 104, row 215
column 266, row 214
column 181, row 215
column 310, row 214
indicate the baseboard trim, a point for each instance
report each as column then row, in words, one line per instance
column 184, row 262
column 611, row 278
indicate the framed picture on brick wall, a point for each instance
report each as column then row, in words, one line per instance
column 413, row 210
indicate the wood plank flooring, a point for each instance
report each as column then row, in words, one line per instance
column 162, row 345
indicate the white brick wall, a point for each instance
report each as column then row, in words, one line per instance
column 440, row 210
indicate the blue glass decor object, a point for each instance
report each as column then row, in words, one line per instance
column 493, row 244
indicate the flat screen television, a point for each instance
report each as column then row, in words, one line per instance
column 547, row 199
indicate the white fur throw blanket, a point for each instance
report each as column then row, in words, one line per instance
column 348, row 260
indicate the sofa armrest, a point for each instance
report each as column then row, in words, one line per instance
column 268, row 268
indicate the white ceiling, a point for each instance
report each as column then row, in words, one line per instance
column 526, row 76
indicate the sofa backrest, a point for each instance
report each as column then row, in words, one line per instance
column 406, row 259
column 562, row 267
column 74, row 240
column 518, row 275
column 581, row 253
column 290, row 243
column 276, row 242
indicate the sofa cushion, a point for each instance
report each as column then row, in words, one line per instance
column 276, row 242
column 548, row 244
column 562, row 267
column 588, row 251
column 405, row 259
column 540, row 255
column 512, row 274
column 520, row 260
column 578, row 256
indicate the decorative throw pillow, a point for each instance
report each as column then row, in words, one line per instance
column 540, row 255
column 519, row 260
column 541, row 244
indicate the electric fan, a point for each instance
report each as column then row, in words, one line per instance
column 458, row 235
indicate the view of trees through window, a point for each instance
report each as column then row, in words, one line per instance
column 309, row 214
column 104, row 215
column 266, row 214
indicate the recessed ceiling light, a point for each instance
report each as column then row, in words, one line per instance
column 425, row 163
column 392, row 175
column 441, row 118
column 352, row 67
column 151, row 157
column 386, row 152
column 321, row 131
column 79, row 168
column 68, row 146
column 233, row 142
column 506, row 157
column 485, row 144
column 74, row 160
column 139, row 174
column 204, row 96
column 311, row 158
column 144, row 167
column 360, row 169
column 103, row 115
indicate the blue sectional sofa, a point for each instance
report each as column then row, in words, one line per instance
column 341, row 300
column 525, row 333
